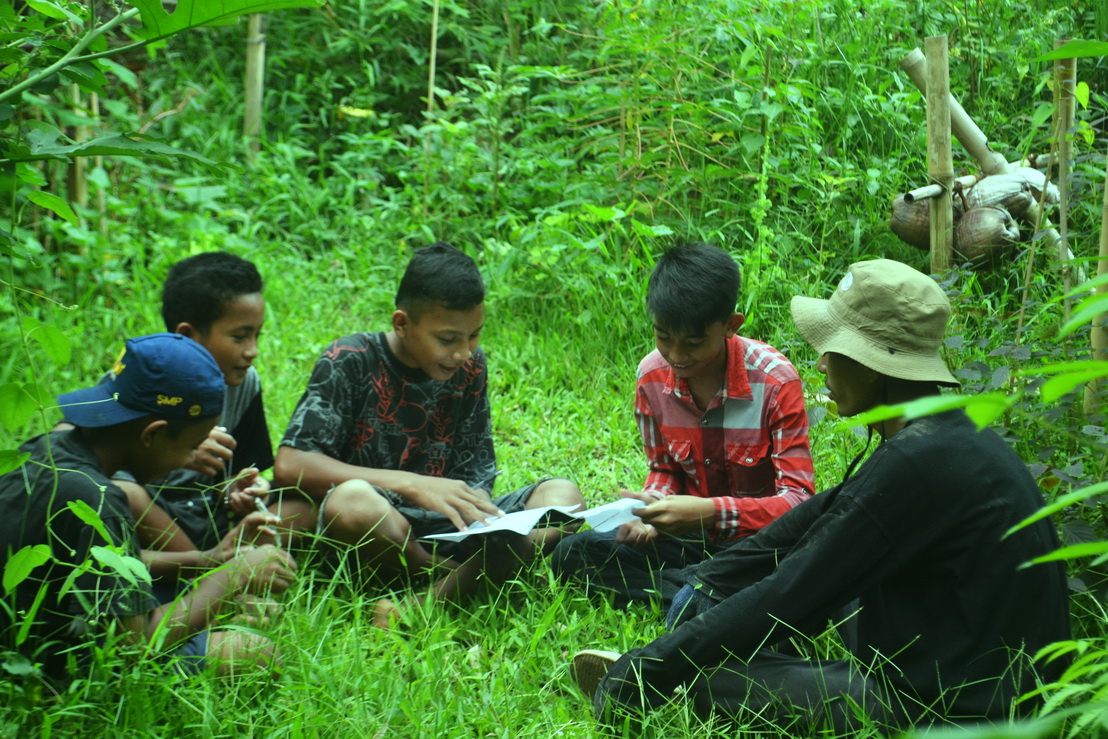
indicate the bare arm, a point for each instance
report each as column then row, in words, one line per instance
column 316, row 473
column 261, row 570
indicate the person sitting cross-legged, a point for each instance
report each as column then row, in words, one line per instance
column 915, row 542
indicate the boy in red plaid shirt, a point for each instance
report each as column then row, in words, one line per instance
column 723, row 425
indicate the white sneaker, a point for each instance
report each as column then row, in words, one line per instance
column 589, row 667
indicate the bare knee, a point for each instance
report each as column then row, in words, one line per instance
column 355, row 511
column 555, row 491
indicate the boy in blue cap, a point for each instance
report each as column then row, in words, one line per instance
column 164, row 395
column 187, row 520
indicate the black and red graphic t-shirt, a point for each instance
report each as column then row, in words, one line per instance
column 364, row 407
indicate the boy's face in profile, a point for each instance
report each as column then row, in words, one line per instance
column 699, row 354
column 159, row 452
column 232, row 338
column 436, row 340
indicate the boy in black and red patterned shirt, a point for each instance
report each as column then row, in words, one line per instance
column 723, row 425
column 393, row 439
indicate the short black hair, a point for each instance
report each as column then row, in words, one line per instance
column 440, row 274
column 693, row 285
column 198, row 289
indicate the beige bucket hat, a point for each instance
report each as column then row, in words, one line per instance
column 884, row 314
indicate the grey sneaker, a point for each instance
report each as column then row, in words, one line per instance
column 589, row 667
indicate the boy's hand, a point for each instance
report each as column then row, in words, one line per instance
column 680, row 514
column 454, row 499
column 256, row 529
column 244, row 489
column 214, row 453
column 263, row 570
column 636, row 533
column 645, row 497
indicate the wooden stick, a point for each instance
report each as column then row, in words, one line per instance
column 963, row 127
column 434, row 53
column 940, row 163
column 972, row 138
column 255, row 85
column 1065, row 79
column 933, row 191
column 1099, row 329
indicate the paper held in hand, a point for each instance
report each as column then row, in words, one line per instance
column 602, row 518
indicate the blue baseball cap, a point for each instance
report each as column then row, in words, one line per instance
column 165, row 375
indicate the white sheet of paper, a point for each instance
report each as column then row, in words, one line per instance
column 602, row 518
column 611, row 515
column 520, row 522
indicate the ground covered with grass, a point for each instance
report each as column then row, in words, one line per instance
column 567, row 146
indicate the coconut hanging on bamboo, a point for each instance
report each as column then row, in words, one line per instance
column 987, row 213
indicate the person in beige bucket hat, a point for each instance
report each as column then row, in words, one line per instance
column 941, row 613
column 884, row 315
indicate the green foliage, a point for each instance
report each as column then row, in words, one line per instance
column 567, row 144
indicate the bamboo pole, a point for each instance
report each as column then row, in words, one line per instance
column 972, row 138
column 1065, row 79
column 430, row 105
column 962, row 126
column 77, row 181
column 255, row 83
column 1098, row 331
column 98, row 163
column 940, row 163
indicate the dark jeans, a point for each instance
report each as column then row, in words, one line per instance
column 781, row 691
column 651, row 573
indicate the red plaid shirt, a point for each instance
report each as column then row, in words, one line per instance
column 748, row 449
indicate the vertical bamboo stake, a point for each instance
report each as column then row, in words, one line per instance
column 1099, row 329
column 255, row 72
column 1065, row 79
column 98, row 163
column 77, row 182
column 430, row 105
column 940, row 163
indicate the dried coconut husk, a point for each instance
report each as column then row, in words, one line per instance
column 1036, row 180
column 911, row 221
column 985, row 235
column 1012, row 192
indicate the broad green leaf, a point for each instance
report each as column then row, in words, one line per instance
column 646, row 229
column 17, row 664
column 131, row 569
column 22, row 563
column 83, row 511
column 1077, row 551
column 11, row 459
column 1075, row 49
column 55, row 204
column 16, row 406
column 29, row 618
column 982, row 409
column 1087, row 310
column 1058, row 504
column 602, row 214
column 110, row 144
column 1063, row 367
column 1081, row 92
column 54, row 343
column 1084, row 287
column 1042, row 113
column 126, row 76
column 157, row 24
column 55, row 10
column 30, row 174
column 1059, row 385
